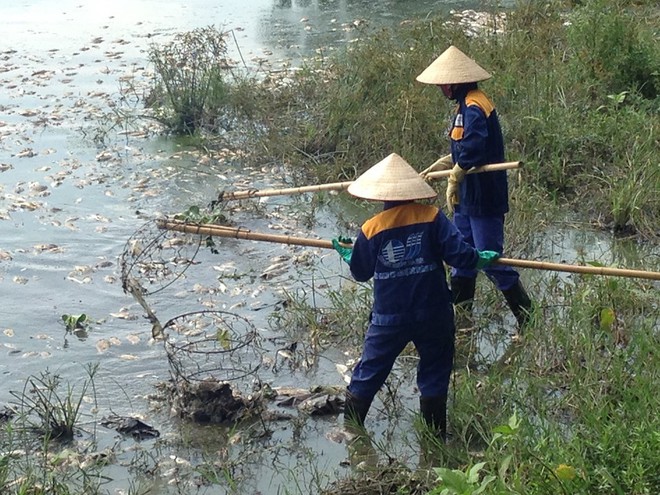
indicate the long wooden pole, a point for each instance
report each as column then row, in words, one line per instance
column 340, row 186
column 592, row 270
column 241, row 233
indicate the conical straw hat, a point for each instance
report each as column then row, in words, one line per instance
column 391, row 179
column 453, row 67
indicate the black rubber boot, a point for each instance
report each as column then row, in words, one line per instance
column 462, row 289
column 434, row 413
column 355, row 410
column 520, row 304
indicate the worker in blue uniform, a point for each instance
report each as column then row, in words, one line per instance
column 403, row 249
column 478, row 201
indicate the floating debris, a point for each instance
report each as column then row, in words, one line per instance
column 124, row 314
column 131, row 426
column 48, row 248
column 102, row 346
column 317, row 401
column 104, row 156
column 6, row 413
column 212, row 401
column 26, row 153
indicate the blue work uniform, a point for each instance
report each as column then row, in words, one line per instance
column 403, row 249
column 476, row 139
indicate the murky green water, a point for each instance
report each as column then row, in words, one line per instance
column 69, row 203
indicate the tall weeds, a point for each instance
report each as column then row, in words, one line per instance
column 569, row 411
column 190, row 85
column 38, row 450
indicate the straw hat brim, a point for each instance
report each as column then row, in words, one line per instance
column 453, row 67
column 391, row 179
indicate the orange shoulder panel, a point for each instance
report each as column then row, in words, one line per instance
column 478, row 98
column 399, row 216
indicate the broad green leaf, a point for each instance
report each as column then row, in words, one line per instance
column 504, row 466
column 503, row 430
column 565, row 472
column 484, row 483
column 514, row 422
column 473, row 473
column 222, row 335
column 454, row 479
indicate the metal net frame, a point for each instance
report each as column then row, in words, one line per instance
column 212, row 345
column 153, row 258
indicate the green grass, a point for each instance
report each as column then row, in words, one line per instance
column 39, row 452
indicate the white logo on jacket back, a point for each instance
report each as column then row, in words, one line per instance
column 395, row 253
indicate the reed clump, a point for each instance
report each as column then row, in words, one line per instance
column 190, row 83
column 40, row 447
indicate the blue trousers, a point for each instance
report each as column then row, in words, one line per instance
column 434, row 341
column 485, row 233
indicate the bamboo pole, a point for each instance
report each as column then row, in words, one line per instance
column 340, row 186
column 494, row 167
column 241, row 233
column 591, row 270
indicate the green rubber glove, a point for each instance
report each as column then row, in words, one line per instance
column 486, row 258
column 344, row 251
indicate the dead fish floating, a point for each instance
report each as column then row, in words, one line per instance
column 318, row 401
column 322, row 404
column 274, row 270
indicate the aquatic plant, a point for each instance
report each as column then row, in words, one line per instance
column 75, row 322
column 50, row 461
column 190, row 82
column 57, row 411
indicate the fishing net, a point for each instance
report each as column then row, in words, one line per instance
column 212, row 345
column 215, row 357
column 212, row 356
column 154, row 258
